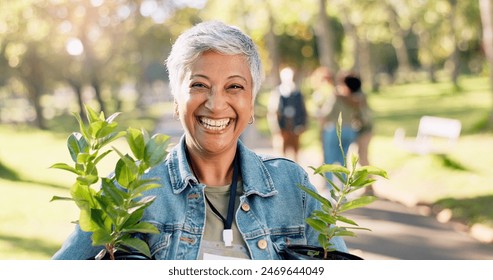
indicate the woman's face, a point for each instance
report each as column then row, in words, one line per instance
column 215, row 102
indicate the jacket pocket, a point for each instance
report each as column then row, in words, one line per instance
column 281, row 239
column 159, row 245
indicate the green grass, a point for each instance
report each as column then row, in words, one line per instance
column 31, row 227
column 403, row 105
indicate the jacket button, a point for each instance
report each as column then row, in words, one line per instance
column 245, row 207
column 262, row 244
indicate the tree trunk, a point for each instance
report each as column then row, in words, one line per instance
column 486, row 7
column 33, row 76
column 426, row 57
column 77, row 88
column 399, row 44
column 272, row 45
column 361, row 53
column 36, row 91
column 454, row 58
column 368, row 69
column 96, row 85
column 325, row 38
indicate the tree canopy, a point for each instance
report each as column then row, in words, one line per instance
column 112, row 52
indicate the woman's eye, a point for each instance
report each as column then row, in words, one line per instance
column 198, row 85
column 236, row 86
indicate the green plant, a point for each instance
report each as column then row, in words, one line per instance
column 327, row 220
column 113, row 211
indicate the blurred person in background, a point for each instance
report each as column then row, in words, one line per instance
column 332, row 100
column 322, row 82
column 350, row 86
column 288, row 116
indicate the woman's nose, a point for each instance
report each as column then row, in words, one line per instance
column 216, row 101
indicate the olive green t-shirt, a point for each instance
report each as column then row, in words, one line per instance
column 212, row 246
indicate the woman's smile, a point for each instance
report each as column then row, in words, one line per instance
column 216, row 125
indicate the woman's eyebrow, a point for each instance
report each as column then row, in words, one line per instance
column 229, row 77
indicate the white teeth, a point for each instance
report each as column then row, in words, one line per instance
column 214, row 124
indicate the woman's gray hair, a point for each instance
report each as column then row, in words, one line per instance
column 211, row 36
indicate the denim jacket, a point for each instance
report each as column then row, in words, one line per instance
column 271, row 213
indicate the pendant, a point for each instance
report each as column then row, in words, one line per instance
column 228, row 237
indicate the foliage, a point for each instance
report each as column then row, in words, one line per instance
column 326, row 221
column 113, row 212
column 36, row 59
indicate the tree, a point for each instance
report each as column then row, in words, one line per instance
column 486, row 7
column 325, row 39
column 399, row 40
column 27, row 53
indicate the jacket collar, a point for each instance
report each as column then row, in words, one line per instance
column 257, row 180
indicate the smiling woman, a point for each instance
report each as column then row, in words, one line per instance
column 215, row 109
column 219, row 199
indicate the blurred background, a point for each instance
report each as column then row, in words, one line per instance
column 415, row 58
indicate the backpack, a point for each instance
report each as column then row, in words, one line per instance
column 291, row 112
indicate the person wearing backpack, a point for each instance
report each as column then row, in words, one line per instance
column 288, row 115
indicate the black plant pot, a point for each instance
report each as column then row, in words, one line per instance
column 306, row 252
column 131, row 256
column 125, row 256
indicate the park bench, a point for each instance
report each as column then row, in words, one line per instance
column 435, row 135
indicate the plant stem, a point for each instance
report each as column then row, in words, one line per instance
column 110, row 250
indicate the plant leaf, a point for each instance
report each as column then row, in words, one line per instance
column 87, row 180
column 374, row 171
column 101, row 237
column 92, row 116
column 357, row 203
column 103, row 141
column 116, row 195
column 54, row 198
column 109, row 211
column 94, row 128
column 66, row 167
column 82, row 195
column 136, row 142
column 126, row 171
column 323, row 216
column 334, row 168
column 76, row 144
column 86, row 221
column 142, row 227
column 137, row 244
column 104, row 135
column 345, row 233
column 141, row 186
column 111, row 118
column 317, row 225
column 141, row 204
column 359, row 177
column 133, row 218
column 155, row 149
column 323, row 241
column 98, row 217
column 315, row 195
column 82, row 127
column 346, row 220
